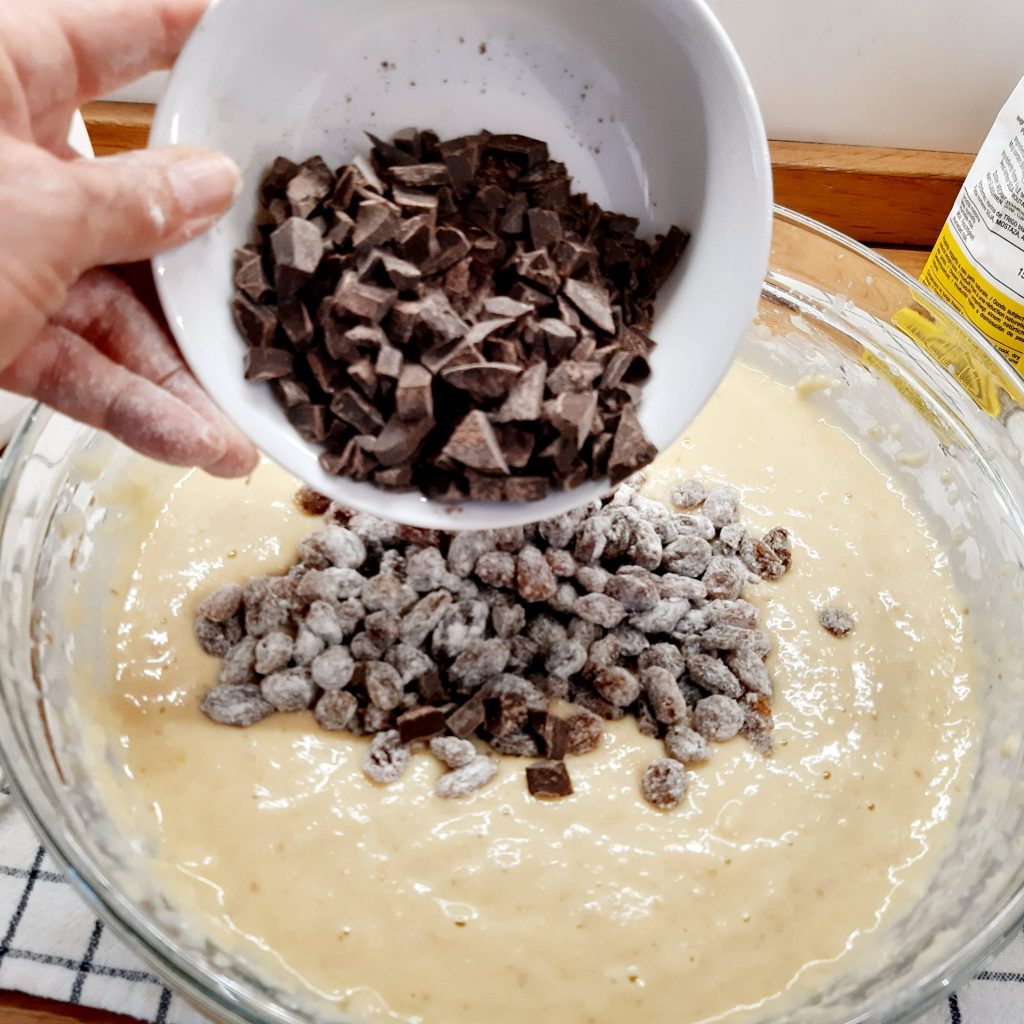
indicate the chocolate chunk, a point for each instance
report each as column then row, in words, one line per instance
column 389, row 363
column 572, row 415
column 420, row 724
column 309, row 420
column 403, row 275
column 483, row 329
column 592, row 301
column 296, row 322
column 297, row 245
column 354, row 409
column 538, row 268
column 400, row 439
column 572, row 376
column 415, row 238
column 376, row 223
column 414, row 398
column 553, row 731
column 466, row 719
column 558, row 337
column 365, row 301
column 290, row 392
column 256, row 323
column 526, row 399
column 631, row 450
column 267, row 363
column 462, row 158
column 416, row 202
column 545, row 228
column 436, row 314
column 503, row 306
column 473, row 444
column 526, row 151
column 251, row 280
column 548, row 779
column 526, row 488
column 482, row 380
column 420, row 175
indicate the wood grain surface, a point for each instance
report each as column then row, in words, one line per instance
column 893, row 196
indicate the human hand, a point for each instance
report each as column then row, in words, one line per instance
column 86, row 340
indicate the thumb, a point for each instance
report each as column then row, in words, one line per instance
column 138, row 204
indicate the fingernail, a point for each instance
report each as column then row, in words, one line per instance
column 204, row 184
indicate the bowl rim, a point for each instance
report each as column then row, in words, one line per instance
column 239, row 1003
column 269, row 433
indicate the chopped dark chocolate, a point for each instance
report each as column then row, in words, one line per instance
column 473, row 444
column 548, row 779
column 421, row 724
column 267, row 363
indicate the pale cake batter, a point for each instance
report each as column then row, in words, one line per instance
column 763, row 884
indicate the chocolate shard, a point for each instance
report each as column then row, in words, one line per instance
column 414, row 398
column 454, row 353
column 430, row 688
column 257, row 324
column 571, row 257
column 409, row 141
column 592, row 301
column 437, row 315
column 514, row 220
column 420, row 724
column 525, row 401
column 268, row 363
column 296, row 322
column 415, row 239
column 400, row 439
column 465, row 720
column 389, row 362
column 483, row 329
column 364, row 376
column 351, row 407
column 387, row 154
column 473, row 444
column 461, row 157
column 504, row 350
column 558, row 337
column 297, row 245
column 482, row 380
column 631, row 449
column 397, row 478
column 339, row 229
column 553, row 733
column 485, row 488
column 275, row 181
column 516, row 445
column 251, row 280
column 629, row 339
column 522, row 292
column 572, row 415
column 624, row 366
column 668, row 253
column 539, row 268
column 457, row 279
column 309, row 186
column 353, row 461
column 504, row 307
column 361, row 300
column 452, row 246
column 526, row 151
column 547, row 779
column 572, row 376
column 416, row 202
column 323, row 369
column 403, row 274
column 420, row 175
column 309, row 420
column 377, row 222
column 290, row 392
column 545, row 228
column 526, row 488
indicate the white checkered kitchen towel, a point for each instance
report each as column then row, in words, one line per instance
column 52, row 946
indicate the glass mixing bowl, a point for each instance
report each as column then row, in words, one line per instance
column 913, row 382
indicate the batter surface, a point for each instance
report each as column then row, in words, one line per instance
column 768, row 879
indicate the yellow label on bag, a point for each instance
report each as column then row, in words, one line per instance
column 951, row 275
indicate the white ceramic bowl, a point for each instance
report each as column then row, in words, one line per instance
column 644, row 100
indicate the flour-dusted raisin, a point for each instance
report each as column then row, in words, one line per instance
column 761, row 559
column 664, row 783
column 386, row 759
column 377, row 719
column 603, row 653
column 382, row 628
column 686, row 746
column 496, row 568
column 333, row 545
column 565, row 598
column 565, row 659
column 718, row 718
column 546, row 631
column 760, row 644
column 452, row 752
column 739, row 613
column 426, row 570
column 688, row 494
column 695, row 622
column 387, row 592
column 383, row 685
column 308, row 646
column 662, row 618
column 595, row 702
column 424, row 616
column 747, row 666
column 724, row 577
column 681, row 588
column 585, row 730
column 664, row 696
column 731, row 538
column 601, row 609
column 461, row 623
column 592, row 578
column 465, row 589
column 687, row 556
column 523, row 652
column 632, row 642
column 289, row 690
column 217, row 638
column 666, row 656
column 374, row 532
column 239, row 664
column 561, row 562
column 721, row 505
column 515, row 744
column 694, row 524
column 507, row 618
column 512, row 538
column 273, row 652
column 551, row 687
column 534, row 579
column 836, row 621
column 335, row 709
column 311, row 502
column 617, row 685
column 392, row 563
column 333, row 669
column 365, row 648
column 634, row 592
column 322, row 619
column 411, row 663
column 560, row 531
column 584, row 632
column 510, row 699
column 645, row 547
column 465, row 549
column 592, row 539
column 223, row 604
column 479, row 661
column 780, row 541
column 464, row 781
column 232, row 704
column 713, row 675
column 265, row 611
